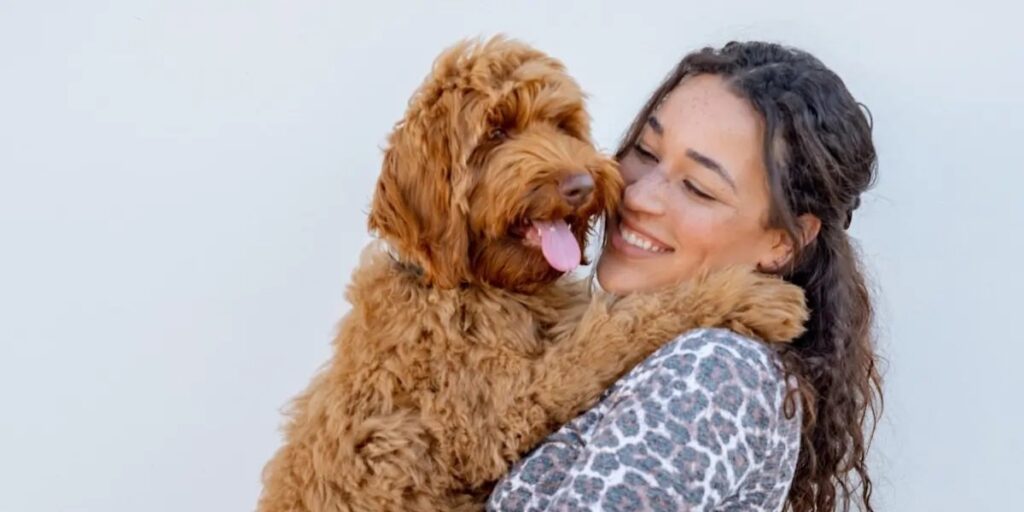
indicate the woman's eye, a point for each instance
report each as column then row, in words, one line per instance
column 644, row 154
column 698, row 192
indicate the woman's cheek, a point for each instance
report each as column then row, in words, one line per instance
column 696, row 225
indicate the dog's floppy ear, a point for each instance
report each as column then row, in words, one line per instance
column 421, row 203
column 415, row 210
column 391, row 215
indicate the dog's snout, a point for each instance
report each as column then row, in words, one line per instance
column 576, row 188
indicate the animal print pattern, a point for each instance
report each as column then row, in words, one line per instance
column 698, row 426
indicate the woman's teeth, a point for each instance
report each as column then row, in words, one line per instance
column 636, row 240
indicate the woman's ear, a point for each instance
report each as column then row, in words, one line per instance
column 780, row 254
column 810, row 225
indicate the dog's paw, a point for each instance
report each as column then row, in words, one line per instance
column 758, row 304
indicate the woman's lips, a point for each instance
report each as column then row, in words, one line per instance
column 635, row 242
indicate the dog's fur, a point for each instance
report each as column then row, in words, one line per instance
column 463, row 348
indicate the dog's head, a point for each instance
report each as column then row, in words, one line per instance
column 491, row 175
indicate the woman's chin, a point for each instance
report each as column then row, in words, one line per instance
column 615, row 277
column 618, row 274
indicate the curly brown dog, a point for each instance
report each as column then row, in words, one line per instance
column 463, row 348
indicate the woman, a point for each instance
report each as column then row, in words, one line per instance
column 753, row 154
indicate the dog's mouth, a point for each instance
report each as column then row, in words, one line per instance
column 555, row 239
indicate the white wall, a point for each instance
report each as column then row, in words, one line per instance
column 183, row 188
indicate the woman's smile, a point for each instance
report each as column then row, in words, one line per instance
column 633, row 241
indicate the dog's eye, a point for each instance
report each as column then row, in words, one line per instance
column 569, row 128
column 497, row 134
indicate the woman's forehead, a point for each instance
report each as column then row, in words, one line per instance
column 708, row 100
column 703, row 114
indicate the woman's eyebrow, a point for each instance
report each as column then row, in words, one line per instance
column 711, row 164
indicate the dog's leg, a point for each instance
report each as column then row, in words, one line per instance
column 380, row 464
column 615, row 334
column 347, row 449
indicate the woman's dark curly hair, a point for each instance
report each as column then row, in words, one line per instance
column 820, row 158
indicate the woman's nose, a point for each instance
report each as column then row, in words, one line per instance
column 647, row 193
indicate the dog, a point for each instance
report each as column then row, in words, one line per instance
column 466, row 343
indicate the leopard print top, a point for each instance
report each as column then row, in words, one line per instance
column 698, row 426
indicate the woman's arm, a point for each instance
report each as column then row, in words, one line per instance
column 698, row 425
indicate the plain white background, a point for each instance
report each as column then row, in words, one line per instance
column 183, row 188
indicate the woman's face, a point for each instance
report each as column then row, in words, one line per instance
column 696, row 193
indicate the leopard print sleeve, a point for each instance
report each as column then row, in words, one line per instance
column 697, row 426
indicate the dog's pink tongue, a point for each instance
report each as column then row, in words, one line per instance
column 558, row 244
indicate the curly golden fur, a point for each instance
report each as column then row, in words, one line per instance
column 464, row 348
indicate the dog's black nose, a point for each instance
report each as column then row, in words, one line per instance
column 576, row 188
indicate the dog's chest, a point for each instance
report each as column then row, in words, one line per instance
column 477, row 345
